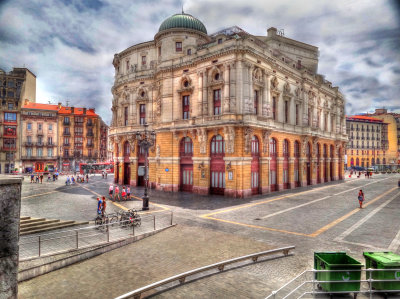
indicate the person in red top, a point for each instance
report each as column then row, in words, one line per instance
column 360, row 198
column 116, row 193
column 103, row 207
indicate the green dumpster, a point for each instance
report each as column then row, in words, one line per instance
column 384, row 260
column 337, row 261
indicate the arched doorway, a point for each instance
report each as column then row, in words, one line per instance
column 127, row 164
column 255, row 165
column 352, row 162
column 273, row 178
column 296, row 164
column 384, row 161
column 373, row 162
column 140, row 165
column 331, row 168
column 318, row 163
column 308, row 163
column 116, row 177
column 325, row 163
column 378, row 161
column 357, row 162
column 217, row 166
column 285, row 165
column 186, row 154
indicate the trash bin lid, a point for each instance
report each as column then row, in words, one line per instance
column 386, row 258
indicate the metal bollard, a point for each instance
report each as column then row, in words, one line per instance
column 172, row 214
column 154, row 221
column 108, row 234
column 77, row 239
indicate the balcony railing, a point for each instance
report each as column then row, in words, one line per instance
column 66, row 133
column 28, row 143
column 89, row 124
column 67, row 144
column 38, row 157
column 9, row 149
column 39, row 143
column 78, row 124
column 66, row 123
column 39, row 132
column 89, row 145
column 89, row 134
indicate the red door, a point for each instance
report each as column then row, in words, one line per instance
column 186, row 154
column 273, row 180
column 296, row 164
column 325, row 164
column 308, row 164
column 285, row 164
column 318, row 165
column 217, row 166
column 255, row 166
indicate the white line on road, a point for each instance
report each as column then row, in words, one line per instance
column 395, row 243
column 366, row 218
column 316, row 200
column 292, row 208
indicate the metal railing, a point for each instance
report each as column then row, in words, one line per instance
column 306, row 284
column 220, row 266
column 67, row 240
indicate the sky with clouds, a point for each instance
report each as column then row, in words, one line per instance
column 70, row 44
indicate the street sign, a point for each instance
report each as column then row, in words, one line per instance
column 166, row 169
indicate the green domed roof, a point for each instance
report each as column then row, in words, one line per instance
column 183, row 21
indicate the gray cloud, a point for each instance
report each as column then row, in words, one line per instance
column 70, row 44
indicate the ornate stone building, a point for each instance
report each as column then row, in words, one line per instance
column 234, row 114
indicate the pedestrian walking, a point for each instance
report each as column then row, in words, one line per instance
column 102, row 174
column 123, row 193
column 110, row 191
column 104, row 206
column 37, row 179
column 87, row 178
column 32, row 178
column 73, row 180
column 106, row 174
column 360, row 198
column 99, row 206
column 116, row 193
column 41, row 178
column 128, row 192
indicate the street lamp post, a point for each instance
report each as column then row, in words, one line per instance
column 146, row 140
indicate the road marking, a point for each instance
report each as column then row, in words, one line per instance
column 395, row 242
column 45, row 193
column 359, row 187
column 337, row 221
column 293, row 208
column 363, row 220
column 257, row 226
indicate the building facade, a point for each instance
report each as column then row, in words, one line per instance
column 79, row 137
column 368, row 141
column 393, row 134
column 233, row 113
column 15, row 86
column 39, row 137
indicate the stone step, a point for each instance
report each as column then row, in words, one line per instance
column 32, row 220
column 38, row 223
column 24, row 218
column 58, row 225
column 44, row 225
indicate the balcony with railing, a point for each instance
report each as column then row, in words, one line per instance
column 78, row 124
column 28, row 143
column 8, row 149
column 66, row 123
column 89, row 134
column 89, row 124
column 89, row 145
column 39, row 143
column 67, row 133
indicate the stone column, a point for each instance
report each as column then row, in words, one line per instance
column 10, row 208
column 232, row 88
column 266, row 103
column 239, row 87
column 328, row 169
column 335, row 169
column 265, row 186
column 303, row 171
column 250, row 103
column 279, row 172
column 205, row 96
column 226, row 89
column 314, row 171
column 200, row 93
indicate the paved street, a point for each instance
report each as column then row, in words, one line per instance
column 321, row 218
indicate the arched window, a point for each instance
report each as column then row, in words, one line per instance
column 297, row 149
column 318, row 150
column 285, row 148
column 217, row 145
column 272, row 147
column 357, row 162
column 325, row 151
column 373, row 162
column 254, row 145
column 378, row 161
column 352, row 161
column 186, row 146
column 127, row 149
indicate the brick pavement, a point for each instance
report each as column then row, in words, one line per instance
column 178, row 249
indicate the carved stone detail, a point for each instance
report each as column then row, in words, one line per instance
column 304, row 142
column 248, row 133
column 202, row 138
column 274, row 83
column 229, row 133
column 266, row 137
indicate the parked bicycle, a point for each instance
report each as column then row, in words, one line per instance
column 101, row 221
column 130, row 217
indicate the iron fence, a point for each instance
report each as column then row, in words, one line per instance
column 39, row 245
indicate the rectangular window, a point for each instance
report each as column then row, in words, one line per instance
column 50, row 127
column 66, row 140
column 50, row 140
column 297, row 115
column 39, row 126
column 50, row 152
column 326, row 122
column 143, row 60
column 256, row 102
column 79, row 119
column 66, row 120
column 29, row 139
column 10, row 117
column 78, row 141
column 29, row 126
column 185, row 107
column 126, row 116
column 127, row 66
column 220, row 41
column 10, row 94
column 189, row 52
column 39, row 152
column 66, row 153
column 178, row 46
column 286, row 111
column 274, row 112
column 9, row 142
column 217, row 102
column 78, row 131
column 29, row 152
column 10, row 131
column 10, row 106
column 159, row 51
column 142, row 114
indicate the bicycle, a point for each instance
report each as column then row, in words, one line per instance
column 101, row 221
